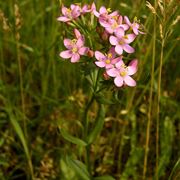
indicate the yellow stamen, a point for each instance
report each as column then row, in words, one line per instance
column 74, row 50
column 125, row 37
column 109, row 10
column 74, row 41
column 123, row 73
column 115, row 17
column 123, row 66
column 121, row 42
column 109, row 55
column 108, row 61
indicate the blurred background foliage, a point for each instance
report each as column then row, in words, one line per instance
column 40, row 92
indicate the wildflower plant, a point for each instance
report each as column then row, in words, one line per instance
column 100, row 41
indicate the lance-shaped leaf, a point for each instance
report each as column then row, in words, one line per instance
column 99, row 122
column 79, row 168
column 72, row 139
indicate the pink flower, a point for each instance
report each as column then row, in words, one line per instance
column 106, row 61
column 104, row 16
column 122, row 73
column 115, row 24
column 122, row 41
column 134, row 26
column 70, row 13
column 78, row 35
column 75, row 49
column 87, row 8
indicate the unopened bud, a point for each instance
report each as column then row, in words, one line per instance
column 105, row 35
column 90, row 53
column 106, row 76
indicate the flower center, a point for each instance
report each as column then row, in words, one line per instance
column 114, row 25
column 125, row 37
column 123, row 73
column 121, row 42
column 69, row 11
column 74, row 50
column 107, row 61
column 115, row 17
column 124, row 66
column 74, row 41
column 109, row 55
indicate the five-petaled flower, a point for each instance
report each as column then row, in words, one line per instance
column 122, row 73
column 70, row 13
column 122, row 41
column 108, row 60
column 134, row 26
column 75, row 49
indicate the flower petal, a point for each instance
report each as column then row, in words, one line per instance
column 63, row 19
column 83, row 50
column 127, row 21
column 119, row 64
column 112, row 72
column 102, row 10
column 68, row 43
column 99, row 56
column 109, row 66
column 119, row 49
column 114, row 13
column 64, row 10
column 128, row 48
column 113, row 40
column 124, row 26
column 80, row 42
column 77, row 33
column 132, row 68
column 112, row 51
column 75, row 58
column 118, row 81
column 66, row 54
column 116, row 60
column 109, row 30
column 135, row 30
column 129, row 81
column 100, row 64
column 129, row 38
column 97, row 14
column 120, row 32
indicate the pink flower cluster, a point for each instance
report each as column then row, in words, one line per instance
column 119, row 31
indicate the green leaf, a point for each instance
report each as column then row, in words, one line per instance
column 98, row 125
column 72, row 139
column 20, row 133
column 103, row 100
column 175, row 170
column 79, row 168
column 104, row 178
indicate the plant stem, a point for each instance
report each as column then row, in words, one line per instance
column 158, row 107
column 150, row 99
column 86, row 125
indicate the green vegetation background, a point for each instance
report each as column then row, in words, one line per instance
column 39, row 91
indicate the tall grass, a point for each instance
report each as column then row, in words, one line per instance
column 40, row 92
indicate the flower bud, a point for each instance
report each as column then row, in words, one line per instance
column 106, row 76
column 105, row 36
column 90, row 53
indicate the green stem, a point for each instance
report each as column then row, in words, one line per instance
column 86, row 125
column 150, row 99
column 158, row 107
